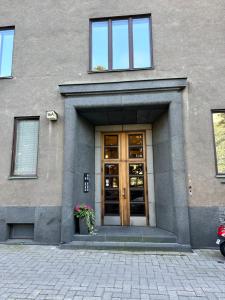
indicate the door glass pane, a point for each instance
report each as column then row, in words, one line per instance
column 111, row 182
column 136, row 181
column 111, row 194
column 112, row 209
column 141, row 43
column 136, row 169
column 111, row 140
column 99, row 46
column 120, row 44
column 137, row 209
column 136, row 152
column 137, row 196
column 111, row 169
column 111, row 152
column 136, row 146
column 219, row 133
column 6, row 52
column 111, row 147
column 137, row 192
column 135, row 139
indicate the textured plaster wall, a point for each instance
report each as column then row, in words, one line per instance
column 51, row 47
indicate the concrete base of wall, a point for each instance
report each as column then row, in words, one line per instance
column 46, row 220
column 203, row 225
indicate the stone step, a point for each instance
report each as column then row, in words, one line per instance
column 125, row 238
column 130, row 246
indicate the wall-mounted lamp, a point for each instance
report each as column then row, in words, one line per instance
column 51, row 115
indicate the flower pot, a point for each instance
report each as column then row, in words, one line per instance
column 83, row 226
column 76, row 226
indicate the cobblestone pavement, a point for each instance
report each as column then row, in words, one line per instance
column 46, row 272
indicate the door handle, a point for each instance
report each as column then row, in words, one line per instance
column 124, row 193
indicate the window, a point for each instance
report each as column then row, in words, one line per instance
column 6, row 51
column 25, row 147
column 219, row 135
column 120, row 43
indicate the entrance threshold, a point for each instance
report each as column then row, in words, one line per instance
column 128, row 238
column 129, row 233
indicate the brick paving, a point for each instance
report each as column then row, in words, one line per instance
column 46, row 272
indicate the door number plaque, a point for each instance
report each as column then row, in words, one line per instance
column 86, row 182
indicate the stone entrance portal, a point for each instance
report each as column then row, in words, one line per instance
column 156, row 102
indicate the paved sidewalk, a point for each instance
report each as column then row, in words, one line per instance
column 46, row 272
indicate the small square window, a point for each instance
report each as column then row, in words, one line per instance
column 6, row 51
column 219, row 140
column 25, row 147
column 121, row 43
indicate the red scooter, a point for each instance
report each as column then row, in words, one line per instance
column 221, row 238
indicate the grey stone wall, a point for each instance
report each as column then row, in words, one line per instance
column 46, row 221
column 79, row 158
column 204, row 222
column 222, row 215
column 84, row 161
column 162, row 173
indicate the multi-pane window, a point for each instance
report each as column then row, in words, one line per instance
column 25, row 146
column 120, row 43
column 6, row 51
column 219, row 134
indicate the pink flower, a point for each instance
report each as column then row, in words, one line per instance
column 81, row 207
column 77, row 208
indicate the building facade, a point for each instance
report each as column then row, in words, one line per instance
column 140, row 130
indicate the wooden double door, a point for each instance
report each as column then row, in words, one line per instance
column 124, row 182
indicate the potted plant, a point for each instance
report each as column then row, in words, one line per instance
column 86, row 216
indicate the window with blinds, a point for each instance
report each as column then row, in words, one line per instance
column 25, row 147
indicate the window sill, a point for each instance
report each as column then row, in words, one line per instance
column 120, row 70
column 22, row 177
column 222, row 177
column 6, row 77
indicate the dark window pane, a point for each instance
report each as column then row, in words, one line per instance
column 111, row 182
column 137, row 209
column 112, row 209
column 135, row 139
column 111, row 169
column 136, row 181
column 141, row 42
column 137, row 196
column 112, row 195
column 136, row 152
column 111, row 140
column 100, row 46
column 111, row 152
column 136, row 169
column 120, row 44
column 219, row 132
column 6, row 52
